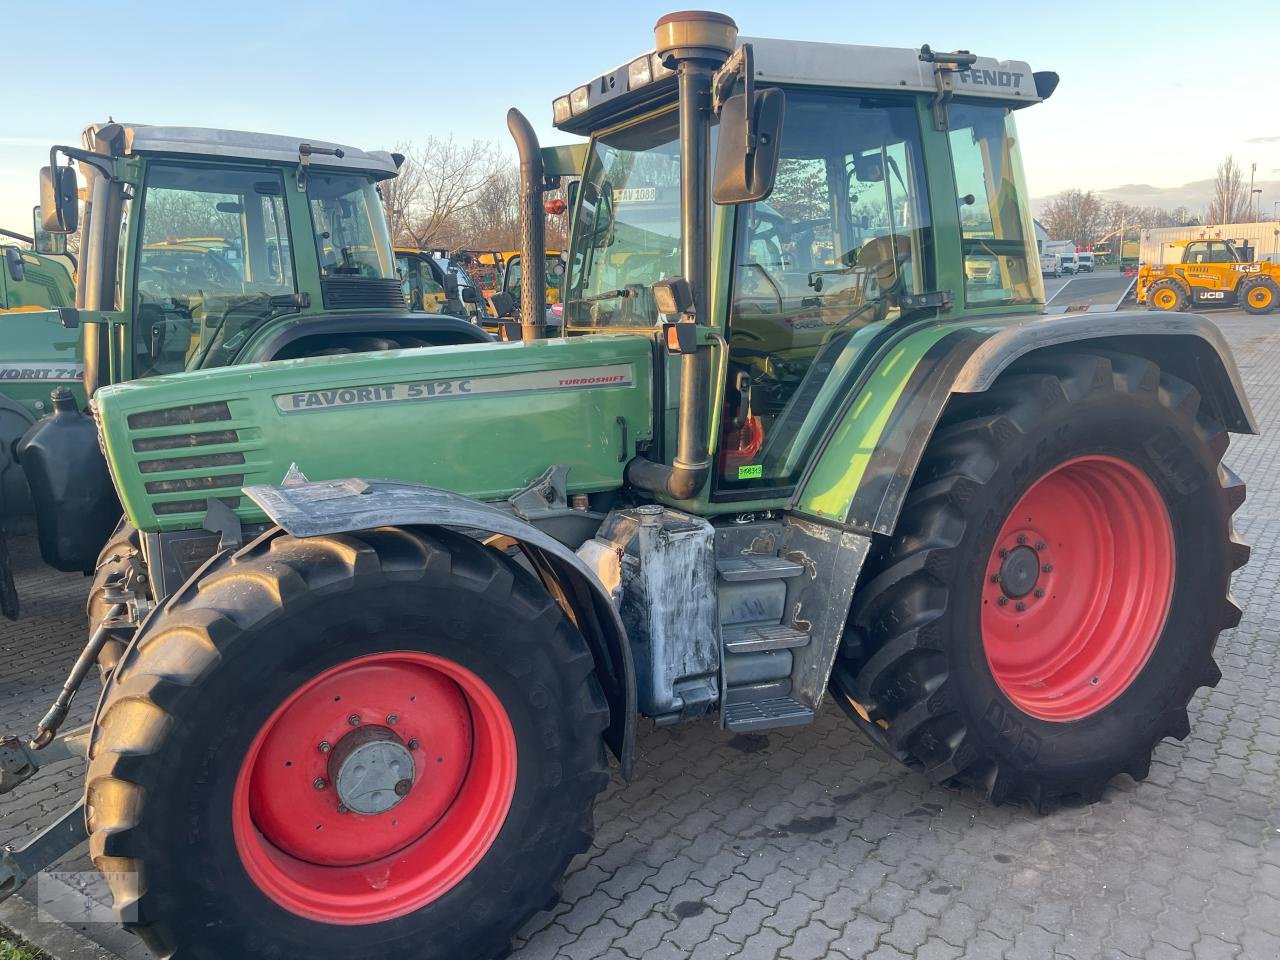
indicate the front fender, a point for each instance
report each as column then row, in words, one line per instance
column 868, row 458
column 343, row 506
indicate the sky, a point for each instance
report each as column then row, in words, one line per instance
column 1144, row 98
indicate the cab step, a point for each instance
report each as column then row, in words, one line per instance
column 751, row 637
column 753, row 566
column 766, row 714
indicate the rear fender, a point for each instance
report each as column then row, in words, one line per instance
column 344, row 506
column 869, row 457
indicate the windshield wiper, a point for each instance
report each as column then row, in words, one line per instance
column 622, row 293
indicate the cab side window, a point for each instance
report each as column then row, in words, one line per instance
column 994, row 226
column 844, row 235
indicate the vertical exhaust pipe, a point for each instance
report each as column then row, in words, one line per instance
column 696, row 43
column 533, row 237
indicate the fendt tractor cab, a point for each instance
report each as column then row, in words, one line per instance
column 200, row 249
column 386, row 613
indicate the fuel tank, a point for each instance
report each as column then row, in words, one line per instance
column 75, row 502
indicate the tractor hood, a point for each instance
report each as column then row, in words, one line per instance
column 481, row 420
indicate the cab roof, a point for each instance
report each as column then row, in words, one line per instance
column 129, row 139
column 815, row 64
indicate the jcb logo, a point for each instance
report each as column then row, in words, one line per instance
column 1247, row 268
column 1212, row 294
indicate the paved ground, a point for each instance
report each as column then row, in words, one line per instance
column 810, row 844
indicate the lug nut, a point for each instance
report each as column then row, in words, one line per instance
column 1021, row 606
column 392, row 720
column 995, row 578
column 1040, row 544
column 1022, row 538
column 353, row 720
column 413, row 744
column 318, row 783
column 342, row 808
column 1003, row 601
column 324, row 746
column 1003, row 553
column 403, row 787
column 1047, row 568
column 1039, row 591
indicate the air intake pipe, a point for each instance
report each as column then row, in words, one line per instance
column 533, row 242
column 696, row 43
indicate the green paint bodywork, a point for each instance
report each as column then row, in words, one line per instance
column 484, row 445
column 46, row 283
column 487, row 447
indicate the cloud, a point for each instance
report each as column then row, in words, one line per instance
column 1274, row 139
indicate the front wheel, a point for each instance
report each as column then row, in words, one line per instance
column 1051, row 599
column 1259, row 295
column 1166, row 295
column 385, row 744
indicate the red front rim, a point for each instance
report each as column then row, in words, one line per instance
column 447, row 738
column 1077, row 588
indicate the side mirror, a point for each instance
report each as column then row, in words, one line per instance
column 469, row 294
column 749, row 140
column 49, row 244
column 59, row 193
column 13, row 260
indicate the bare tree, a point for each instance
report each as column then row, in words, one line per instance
column 1076, row 215
column 1230, row 201
column 438, row 184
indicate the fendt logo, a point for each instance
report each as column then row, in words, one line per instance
column 991, row 78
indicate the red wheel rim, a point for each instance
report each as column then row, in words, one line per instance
column 429, row 723
column 1077, row 588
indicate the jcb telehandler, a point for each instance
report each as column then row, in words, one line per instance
column 386, row 613
column 201, row 248
column 1210, row 273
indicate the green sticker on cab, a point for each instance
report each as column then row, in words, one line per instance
column 751, row 471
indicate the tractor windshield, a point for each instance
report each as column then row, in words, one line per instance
column 214, row 252
column 350, row 227
column 627, row 230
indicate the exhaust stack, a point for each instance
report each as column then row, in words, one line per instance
column 533, row 241
column 696, row 43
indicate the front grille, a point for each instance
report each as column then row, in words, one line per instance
column 231, row 459
column 180, row 416
column 169, row 508
column 343, row 293
column 181, row 440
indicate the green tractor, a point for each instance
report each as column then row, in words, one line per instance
column 35, row 276
column 201, row 249
column 388, row 615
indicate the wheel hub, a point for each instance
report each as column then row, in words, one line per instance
column 372, row 770
column 1019, row 572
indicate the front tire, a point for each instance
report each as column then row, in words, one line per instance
column 1051, row 599
column 1259, row 295
column 384, row 744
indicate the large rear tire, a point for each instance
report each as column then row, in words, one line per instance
column 1052, row 596
column 236, row 797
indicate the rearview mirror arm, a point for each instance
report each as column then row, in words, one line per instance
column 740, row 64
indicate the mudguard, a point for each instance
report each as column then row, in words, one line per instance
column 868, row 458
column 342, row 506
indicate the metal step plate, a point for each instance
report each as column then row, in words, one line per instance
column 751, row 637
column 766, row 714
column 756, row 566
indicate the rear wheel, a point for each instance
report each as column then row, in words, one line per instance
column 1166, row 295
column 1052, row 596
column 383, row 744
column 1259, row 295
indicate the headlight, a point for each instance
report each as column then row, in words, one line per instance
column 579, row 100
column 560, row 110
column 639, row 73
